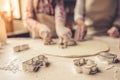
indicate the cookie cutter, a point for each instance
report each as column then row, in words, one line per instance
column 85, row 66
column 20, row 48
column 109, row 57
column 66, row 44
column 78, row 63
column 34, row 64
column 90, row 67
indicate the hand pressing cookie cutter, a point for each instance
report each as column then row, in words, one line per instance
column 20, row 48
column 109, row 57
column 34, row 64
column 86, row 66
column 66, row 44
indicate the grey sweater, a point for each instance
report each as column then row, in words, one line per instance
column 98, row 12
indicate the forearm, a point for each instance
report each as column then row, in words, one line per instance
column 60, row 15
column 79, row 10
column 31, row 24
column 28, row 17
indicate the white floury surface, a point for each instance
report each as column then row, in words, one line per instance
column 60, row 68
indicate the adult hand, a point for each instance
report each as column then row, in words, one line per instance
column 81, row 30
column 64, row 35
column 113, row 32
column 45, row 34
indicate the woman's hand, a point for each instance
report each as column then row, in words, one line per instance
column 64, row 35
column 81, row 30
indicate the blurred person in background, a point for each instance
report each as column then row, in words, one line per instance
column 97, row 13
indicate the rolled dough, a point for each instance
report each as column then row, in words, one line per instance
column 85, row 48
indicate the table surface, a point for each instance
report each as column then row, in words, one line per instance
column 60, row 68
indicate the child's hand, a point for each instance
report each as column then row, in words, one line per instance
column 64, row 34
column 45, row 34
column 114, row 32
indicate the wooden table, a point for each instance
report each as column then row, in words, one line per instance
column 60, row 69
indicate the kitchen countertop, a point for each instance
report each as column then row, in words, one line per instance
column 60, row 68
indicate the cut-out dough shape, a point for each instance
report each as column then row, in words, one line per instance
column 85, row 48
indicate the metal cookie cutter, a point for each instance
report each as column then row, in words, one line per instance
column 78, row 63
column 109, row 57
column 34, row 64
column 86, row 66
column 20, row 48
column 66, row 44
column 90, row 67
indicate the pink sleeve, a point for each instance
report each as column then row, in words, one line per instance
column 60, row 14
column 28, row 17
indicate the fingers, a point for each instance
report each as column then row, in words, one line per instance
column 46, row 36
column 77, row 35
column 71, row 43
column 62, row 44
column 83, row 33
column 113, row 32
column 80, row 33
column 47, row 39
column 63, row 40
column 66, row 40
